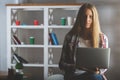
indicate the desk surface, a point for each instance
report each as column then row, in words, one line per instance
column 3, row 74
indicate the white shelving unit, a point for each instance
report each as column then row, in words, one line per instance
column 48, row 16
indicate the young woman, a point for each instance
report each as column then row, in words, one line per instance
column 85, row 33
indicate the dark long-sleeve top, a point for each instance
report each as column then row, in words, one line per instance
column 67, row 60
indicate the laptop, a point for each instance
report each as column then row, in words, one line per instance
column 93, row 57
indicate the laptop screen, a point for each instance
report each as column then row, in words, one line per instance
column 93, row 57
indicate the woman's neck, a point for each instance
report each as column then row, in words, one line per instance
column 87, row 35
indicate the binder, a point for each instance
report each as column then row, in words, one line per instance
column 54, row 38
column 16, row 40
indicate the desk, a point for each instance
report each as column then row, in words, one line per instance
column 3, row 75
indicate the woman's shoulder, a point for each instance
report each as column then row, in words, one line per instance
column 104, row 39
column 103, row 35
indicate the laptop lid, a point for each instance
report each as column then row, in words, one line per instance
column 93, row 57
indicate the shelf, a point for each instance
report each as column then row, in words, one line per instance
column 31, row 65
column 33, row 9
column 46, row 4
column 30, row 46
column 28, row 27
column 54, row 46
column 53, row 65
column 59, row 26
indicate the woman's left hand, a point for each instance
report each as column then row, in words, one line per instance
column 100, row 71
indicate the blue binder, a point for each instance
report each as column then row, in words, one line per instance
column 54, row 38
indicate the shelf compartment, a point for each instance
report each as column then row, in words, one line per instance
column 27, row 17
column 55, row 19
column 24, row 35
column 60, row 34
column 53, row 54
column 27, row 55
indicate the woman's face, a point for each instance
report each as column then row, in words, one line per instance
column 89, row 16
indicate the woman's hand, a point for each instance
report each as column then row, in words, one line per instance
column 97, row 70
column 100, row 71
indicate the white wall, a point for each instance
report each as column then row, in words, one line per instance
column 3, row 58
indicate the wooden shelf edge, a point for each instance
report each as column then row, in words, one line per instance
column 46, row 4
